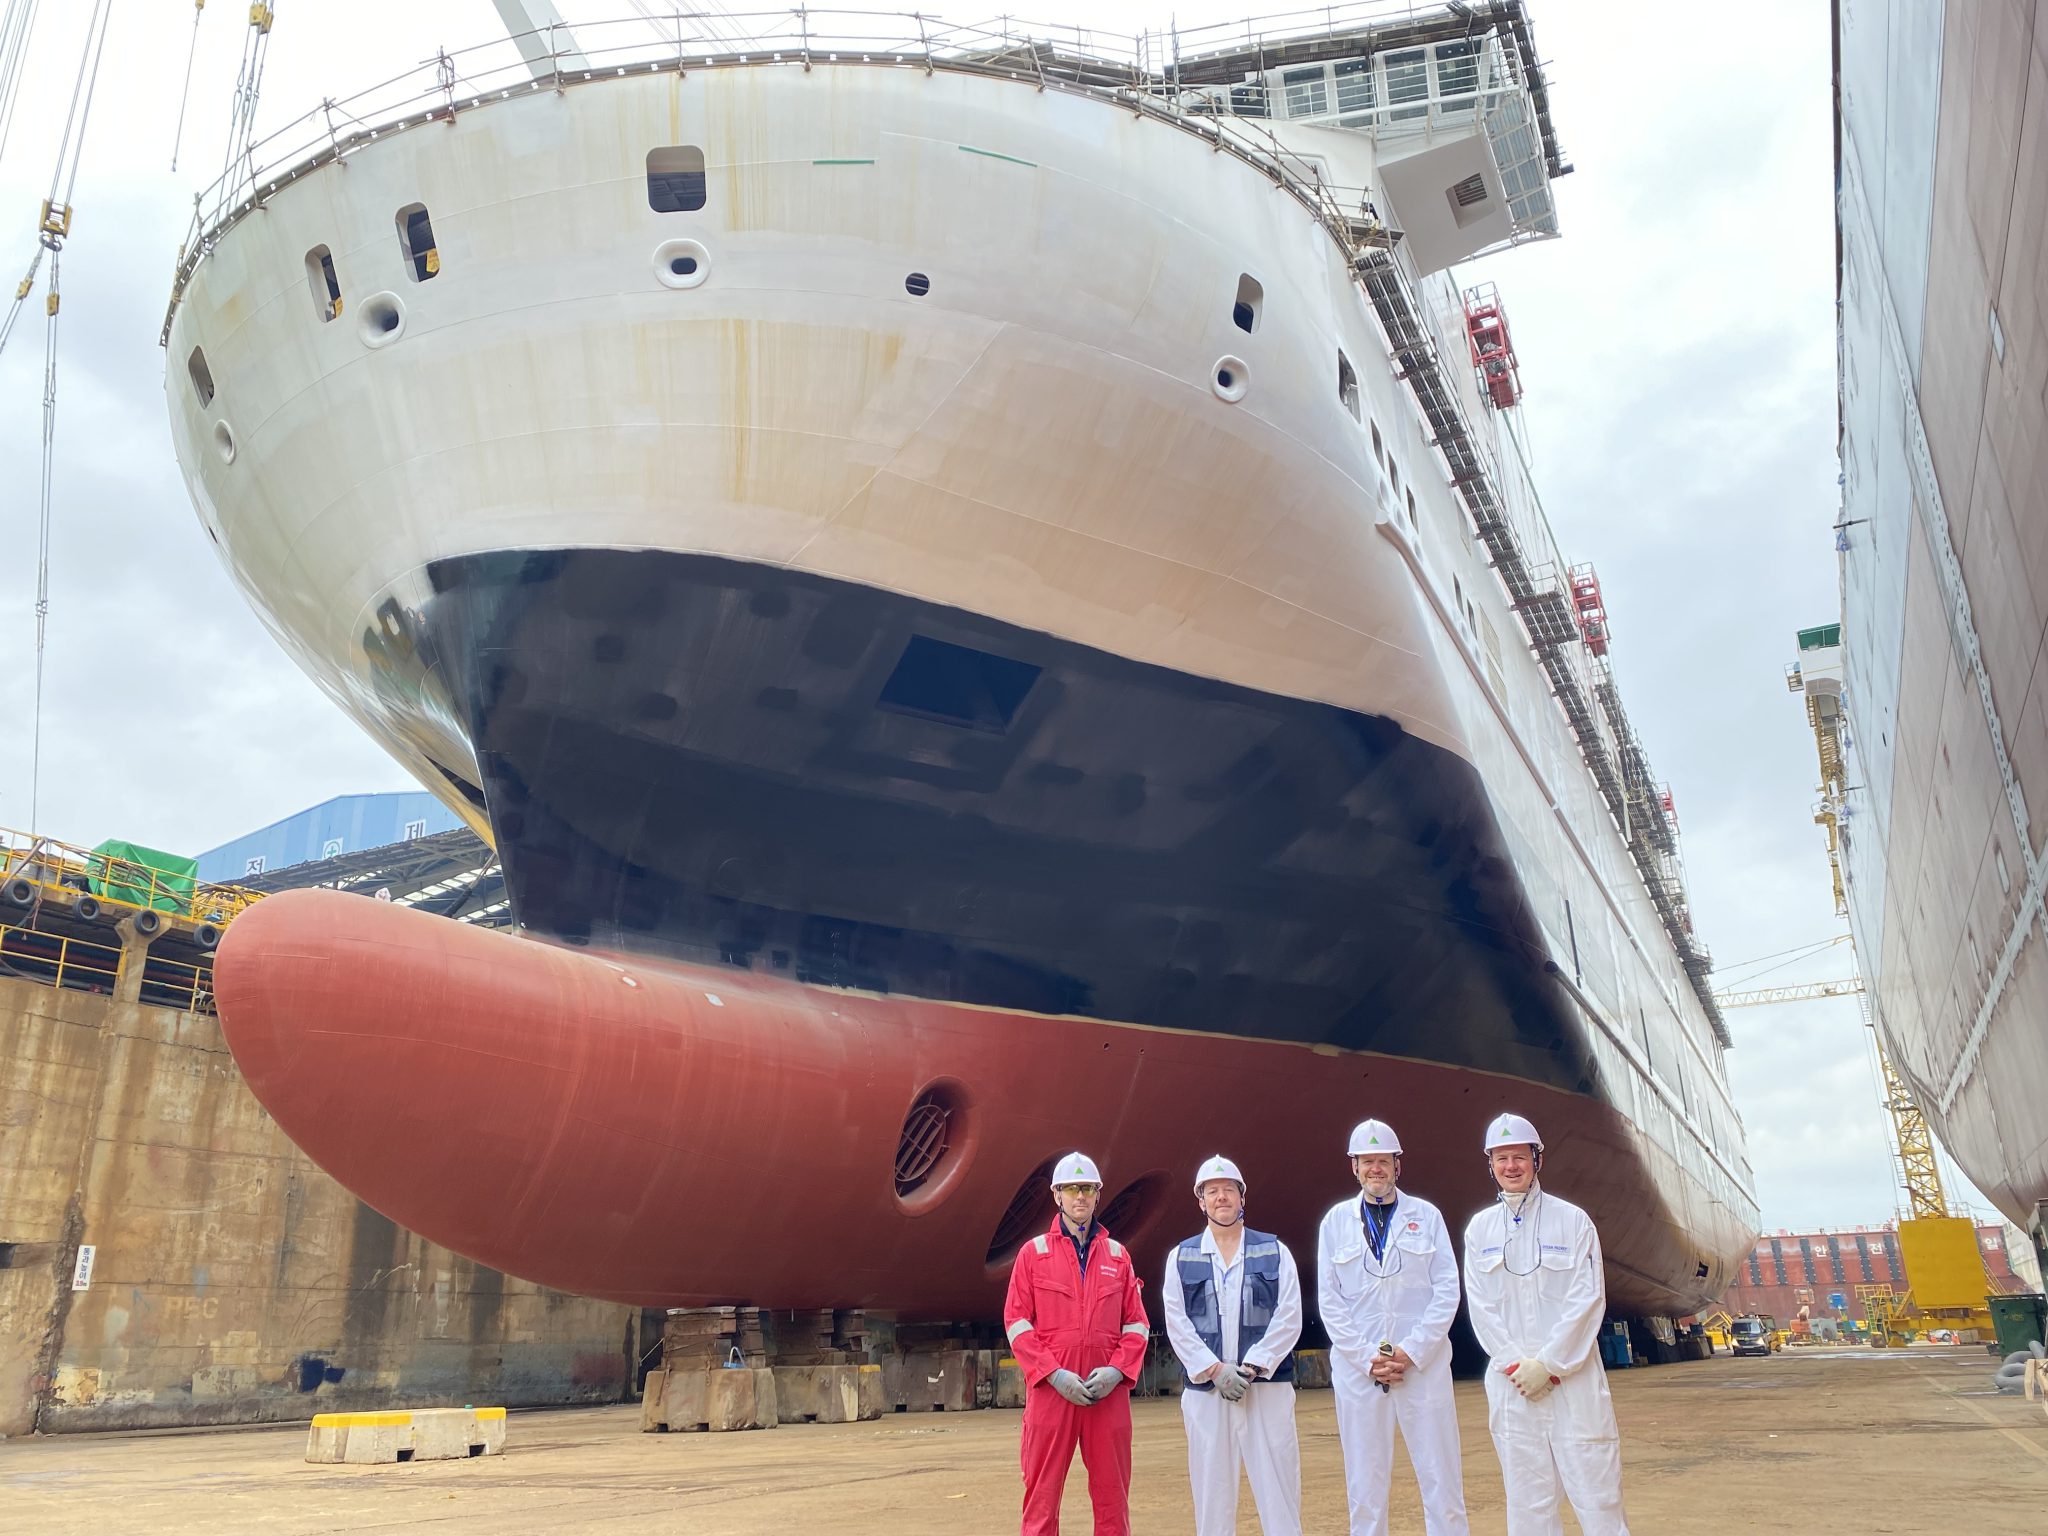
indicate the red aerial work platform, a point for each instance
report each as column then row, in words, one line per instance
column 1493, row 351
column 1592, row 611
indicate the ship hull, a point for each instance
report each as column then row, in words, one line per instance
column 906, row 605
column 1944, row 570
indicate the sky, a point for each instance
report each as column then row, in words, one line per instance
column 1677, row 346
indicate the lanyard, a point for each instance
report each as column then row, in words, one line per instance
column 1376, row 1232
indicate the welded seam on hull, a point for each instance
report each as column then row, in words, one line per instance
column 1934, row 522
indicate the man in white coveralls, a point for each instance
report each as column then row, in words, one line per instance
column 1537, row 1296
column 1233, row 1314
column 1387, row 1288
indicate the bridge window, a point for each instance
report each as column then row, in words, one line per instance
column 416, row 243
column 1347, row 391
column 1307, row 93
column 675, row 179
column 1354, row 85
column 1457, row 72
column 1408, row 84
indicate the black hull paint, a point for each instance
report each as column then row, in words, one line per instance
column 716, row 760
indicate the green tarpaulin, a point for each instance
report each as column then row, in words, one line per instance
column 144, row 877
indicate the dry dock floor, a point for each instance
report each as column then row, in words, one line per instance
column 1909, row 1441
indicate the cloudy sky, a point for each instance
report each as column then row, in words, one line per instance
column 1678, row 351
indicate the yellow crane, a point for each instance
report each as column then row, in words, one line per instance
column 1937, row 1245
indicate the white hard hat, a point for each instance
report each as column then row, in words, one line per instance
column 1374, row 1136
column 1075, row 1168
column 1218, row 1167
column 1511, row 1131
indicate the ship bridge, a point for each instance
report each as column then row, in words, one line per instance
column 1455, row 104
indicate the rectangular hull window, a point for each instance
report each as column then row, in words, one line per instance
column 941, row 681
column 325, row 285
column 416, row 243
column 1250, row 298
column 675, row 179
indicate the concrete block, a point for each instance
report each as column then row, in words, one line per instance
column 873, row 1402
column 424, row 1434
column 1311, row 1368
column 818, row 1394
column 654, row 1403
column 359, row 1438
column 940, row 1381
column 720, row 1399
column 451, row 1434
column 686, row 1398
column 1010, row 1388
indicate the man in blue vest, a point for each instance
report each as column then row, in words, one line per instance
column 1233, row 1314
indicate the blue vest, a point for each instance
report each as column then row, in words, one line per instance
column 1261, row 1259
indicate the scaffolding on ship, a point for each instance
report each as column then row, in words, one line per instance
column 1557, row 609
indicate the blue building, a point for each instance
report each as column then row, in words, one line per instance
column 345, row 824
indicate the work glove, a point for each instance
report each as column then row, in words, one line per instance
column 1102, row 1381
column 1230, row 1381
column 1071, row 1387
column 1532, row 1378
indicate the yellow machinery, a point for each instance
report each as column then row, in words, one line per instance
column 38, row 869
column 1717, row 1323
column 90, row 892
column 1949, row 1280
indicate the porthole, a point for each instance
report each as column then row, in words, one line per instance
column 224, row 442
column 1230, row 378
column 681, row 263
column 917, row 285
column 382, row 320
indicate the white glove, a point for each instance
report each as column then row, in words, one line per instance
column 1102, row 1381
column 1230, row 1382
column 1071, row 1387
column 1532, row 1378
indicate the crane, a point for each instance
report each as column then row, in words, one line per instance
column 1912, row 1141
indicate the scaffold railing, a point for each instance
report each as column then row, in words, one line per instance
column 35, row 869
column 73, row 964
column 1538, row 592
column 1154, row 72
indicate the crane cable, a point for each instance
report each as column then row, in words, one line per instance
column 248, row 87
column 15, row 26
column 185, row 95
column 55, row 226
column 16, row 23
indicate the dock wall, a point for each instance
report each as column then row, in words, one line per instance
column 232, row 1281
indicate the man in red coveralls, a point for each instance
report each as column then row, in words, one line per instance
column 1078, row 1330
